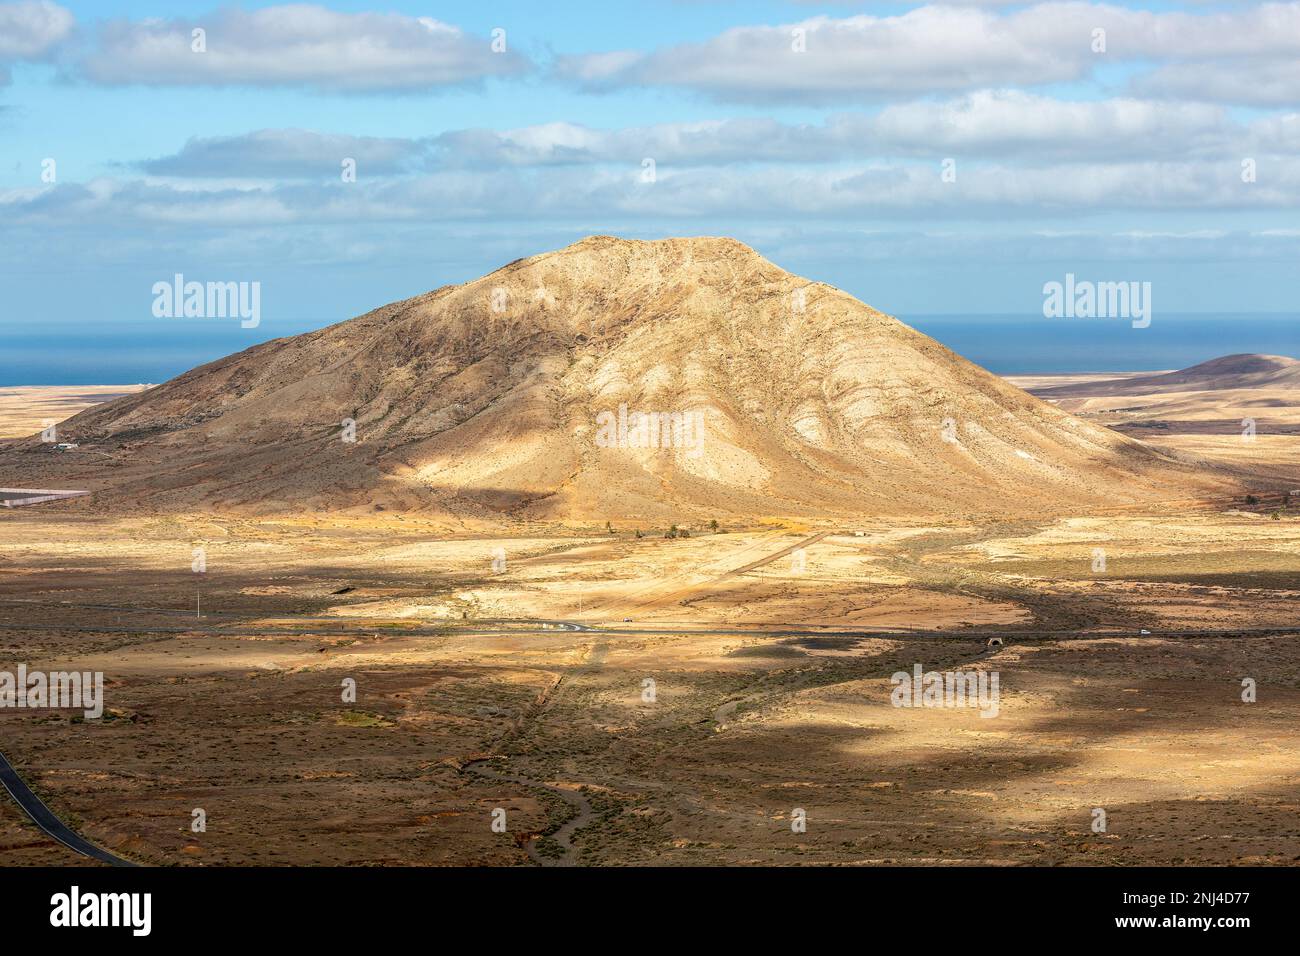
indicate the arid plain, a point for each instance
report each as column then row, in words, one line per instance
column 239, row 711
column 630, row 697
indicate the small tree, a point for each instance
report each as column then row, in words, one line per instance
column 609, row 527
column 713, row 525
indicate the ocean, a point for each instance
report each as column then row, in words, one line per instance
column 1024, row 345
column 118, row 354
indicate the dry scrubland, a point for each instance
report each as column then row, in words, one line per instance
column 1198, row 412
column 240, row 713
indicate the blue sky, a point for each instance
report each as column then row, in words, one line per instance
column 1118, row 164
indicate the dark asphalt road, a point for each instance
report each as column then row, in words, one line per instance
column 44, row 818
column 324, row 629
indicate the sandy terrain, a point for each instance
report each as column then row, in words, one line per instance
column 26, row 409
column 1031, row 383
column 1201, row 412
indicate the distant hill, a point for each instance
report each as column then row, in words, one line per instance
column 1220, row 374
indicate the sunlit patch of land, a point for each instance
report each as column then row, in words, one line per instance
column 1246, row 420
column 27, row 409
column 239, row 711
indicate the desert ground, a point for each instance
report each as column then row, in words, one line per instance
column 1202, row 412
column 509, row 673
column 30, row 408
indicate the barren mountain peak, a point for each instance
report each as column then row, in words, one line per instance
column 613, row 378
column 704, row 254
column 704, row 245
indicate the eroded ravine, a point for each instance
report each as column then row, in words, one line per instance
column 573, row 796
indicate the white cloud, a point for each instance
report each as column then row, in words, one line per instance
column 1262, row 82
column 872, row 192
column 284, row 153
column 950, row 49
column 854, row 58
column 31, row 30
column 997, row 123
column 297, row 45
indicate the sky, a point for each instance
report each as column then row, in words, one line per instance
column 931, row 160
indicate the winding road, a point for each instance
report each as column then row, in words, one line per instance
column 44, row 817
column 523, row 626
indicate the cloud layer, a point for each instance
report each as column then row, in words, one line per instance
column 298, row 45
column 1035, row 130
column 283, row 153
column 1072, row 129
column 1245, row 55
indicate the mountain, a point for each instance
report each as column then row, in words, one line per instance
column 515, row 396
column 1220, row 374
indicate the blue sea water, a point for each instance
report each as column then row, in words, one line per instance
column 114, row 354
column 1022, row 345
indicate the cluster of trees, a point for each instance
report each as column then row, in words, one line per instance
column 673, row 532
column 1277, row 513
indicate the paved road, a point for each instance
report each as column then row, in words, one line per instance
column 522, row 626
column 44, row 817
